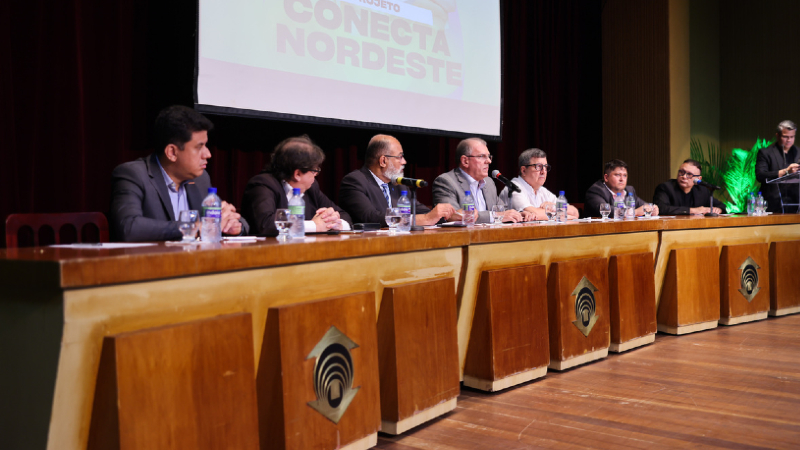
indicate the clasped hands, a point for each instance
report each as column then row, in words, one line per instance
column 327, row 219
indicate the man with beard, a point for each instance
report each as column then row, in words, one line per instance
column 367, row 192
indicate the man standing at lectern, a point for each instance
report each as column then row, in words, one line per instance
column 366, row 193
column 775, row 161
column 148, row 194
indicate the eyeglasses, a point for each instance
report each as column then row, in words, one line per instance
column 486, row 157
column 683, row 173
column 316, row 171
column 401, row 156
column 540, row 167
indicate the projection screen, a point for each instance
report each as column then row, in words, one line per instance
column 416, row 65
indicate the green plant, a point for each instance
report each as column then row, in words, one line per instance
column 740, row 176
column 736, row 172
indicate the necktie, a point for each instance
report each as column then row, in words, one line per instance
column 385, row 188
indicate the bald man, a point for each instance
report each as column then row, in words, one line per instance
column 367, row 192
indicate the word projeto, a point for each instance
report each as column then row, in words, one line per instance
column 367, row 55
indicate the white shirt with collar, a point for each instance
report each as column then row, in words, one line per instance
column 529, row 197
column 309, row 225
column 476, row 189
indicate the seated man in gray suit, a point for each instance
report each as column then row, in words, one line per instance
column 148, row 194
column 472, row 174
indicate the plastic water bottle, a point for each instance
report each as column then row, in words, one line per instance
column 561, row 208
column 404, row 205
column 469, row 209
column 630, row 206
column 760, row 204
column 619, row 207
column 751, row 204
column 297, row 215
column 211, row 230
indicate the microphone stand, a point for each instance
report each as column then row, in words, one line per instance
column 414, row 226
column 711, row 213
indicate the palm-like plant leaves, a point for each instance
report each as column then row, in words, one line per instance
column 740, row 176
column 712, row 165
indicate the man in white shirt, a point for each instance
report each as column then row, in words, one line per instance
column 533, row 170
column 472, row 174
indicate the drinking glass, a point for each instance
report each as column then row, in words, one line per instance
column 648, row 210
column 498, row 211
column 605, row 210
column 550, row 210
column 282, row 223
column 393, row 219
column 188, row 224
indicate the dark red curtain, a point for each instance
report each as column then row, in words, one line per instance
column 81, row 83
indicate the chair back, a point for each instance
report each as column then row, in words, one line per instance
column 26, row 230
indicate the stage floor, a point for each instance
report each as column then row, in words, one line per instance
column 729, row 387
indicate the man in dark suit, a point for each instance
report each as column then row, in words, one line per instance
column 615, row 181
column 148, row 194
column 472, row 174
column 681, row 196
column 775, row 161
column 366, row 193
column 295, row 163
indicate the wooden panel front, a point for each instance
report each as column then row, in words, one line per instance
column 182, row 386
column 632, row 296
column 418, row 349
column 509, row 329
column 784, row 277
column 286, row 373
column 563, row 292
column 743, row 274
column 691, row 287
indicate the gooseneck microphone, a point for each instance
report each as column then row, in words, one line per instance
column 413, row 182
column 713, row 187
column 511, row 186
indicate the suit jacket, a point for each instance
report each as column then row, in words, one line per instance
column 141, row 209
column 363, row 199
column 769, row 162
column 666, row 198
column 449, row 187
column 264, row 194
column 598, row 193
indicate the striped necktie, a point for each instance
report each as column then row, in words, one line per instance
column 385, row 188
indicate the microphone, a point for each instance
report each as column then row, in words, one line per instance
column 511, row 186
column 412, row 182
column 708, row 185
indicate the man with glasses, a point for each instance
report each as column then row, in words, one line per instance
column 367, row 192
column 614, row 181
column 472, row 174
column 533, row 170
column 682, row 196
column 295, row 163
column 775, row 161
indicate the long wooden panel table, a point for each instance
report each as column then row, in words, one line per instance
column 57, row 305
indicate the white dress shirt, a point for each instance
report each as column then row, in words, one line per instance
column 529, row 197
column 475, row 188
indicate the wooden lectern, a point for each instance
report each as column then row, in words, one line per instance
column 578, row 312
column 317, row 380
column 744, row 283
column 418, row 353
column 182, row 386
column 784, row 266
column 508, row 344
column 690, row 296
column 632, row 295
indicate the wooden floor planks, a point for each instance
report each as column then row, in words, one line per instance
column 730, row 387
